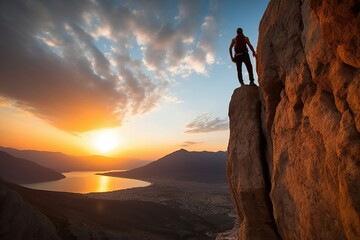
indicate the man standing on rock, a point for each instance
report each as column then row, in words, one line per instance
column 242, row 55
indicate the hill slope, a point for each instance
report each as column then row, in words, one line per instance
column 182, row 165
column 65, row 163
column 22, row 171
column 78, row 217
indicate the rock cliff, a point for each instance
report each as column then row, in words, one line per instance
column 20, row 221
column 309, row 88
column 245, row 167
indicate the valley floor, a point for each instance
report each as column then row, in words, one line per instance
column 208, row 200
column 164, row 210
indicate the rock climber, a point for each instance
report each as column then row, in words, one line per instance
column 241, row 55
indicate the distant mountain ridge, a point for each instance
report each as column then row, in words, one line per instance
column 21, row 171
column 65, row 163
column 182, row 165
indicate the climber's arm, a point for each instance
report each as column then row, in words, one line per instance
column 250, row 46
column 230, row 49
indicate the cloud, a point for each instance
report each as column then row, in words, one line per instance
column 197, row 59
column 189, row 143
column 83, row 65
column 205, row 123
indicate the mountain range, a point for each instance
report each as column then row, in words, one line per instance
column 182, row 165
column 64, row 163
column 21, row 171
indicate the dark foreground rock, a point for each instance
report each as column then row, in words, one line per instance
column 20, row 221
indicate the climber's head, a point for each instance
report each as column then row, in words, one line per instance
column 239, row 31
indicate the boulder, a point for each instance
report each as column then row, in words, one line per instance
column 20, row 221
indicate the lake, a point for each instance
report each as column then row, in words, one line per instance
column 86, row 182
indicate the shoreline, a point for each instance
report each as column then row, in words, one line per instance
column 209, row 201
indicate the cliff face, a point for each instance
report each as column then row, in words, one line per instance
column 308, row 66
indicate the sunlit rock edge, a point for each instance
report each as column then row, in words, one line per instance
column 309, row 89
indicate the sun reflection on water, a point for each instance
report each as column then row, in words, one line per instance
column 87, row 182
column 103, row 184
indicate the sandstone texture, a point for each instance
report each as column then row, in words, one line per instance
column 19, row 221
column 309, row 88
column 308, row 67
column 245, row 170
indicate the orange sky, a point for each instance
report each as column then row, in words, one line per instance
column 25, row 131
column 120, row 79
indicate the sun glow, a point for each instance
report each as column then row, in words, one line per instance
column 105, row 141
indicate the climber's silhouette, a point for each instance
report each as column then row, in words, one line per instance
column 242, row 55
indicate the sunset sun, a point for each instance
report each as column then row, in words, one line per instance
column 105, row 141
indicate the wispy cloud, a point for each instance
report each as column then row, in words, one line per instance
column 83, row 65
column 189, row 144
column 205, row 123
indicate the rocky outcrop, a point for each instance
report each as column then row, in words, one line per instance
column 245, row 168
column 308, row 66
column 19, row 221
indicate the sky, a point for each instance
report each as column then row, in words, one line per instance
column 139, row 78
